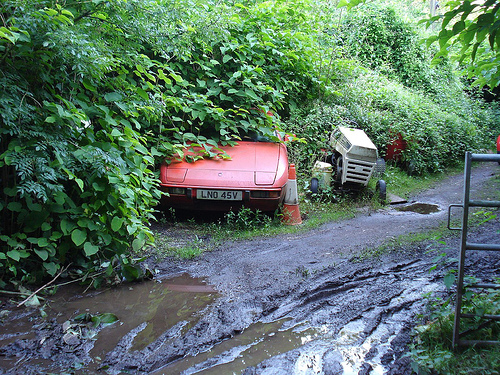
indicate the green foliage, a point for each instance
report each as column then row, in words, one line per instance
column 431, row 351
column 468, row 34
column 77, row 183
column 246, row 220
column 96, row 94
column 384, row 42
column 85, row 118
column 390, row 90
column 438, row 129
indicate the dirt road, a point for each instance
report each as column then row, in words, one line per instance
column 310, row 303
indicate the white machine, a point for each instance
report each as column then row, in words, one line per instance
column 353, row 161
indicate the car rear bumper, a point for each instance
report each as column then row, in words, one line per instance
column 189, row 201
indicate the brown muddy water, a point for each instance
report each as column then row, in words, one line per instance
column 420, row 208
column 149, row 308
column 257, row 343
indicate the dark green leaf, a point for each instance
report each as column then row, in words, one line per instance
column 79, row 236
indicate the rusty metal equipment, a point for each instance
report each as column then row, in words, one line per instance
column 466, row 246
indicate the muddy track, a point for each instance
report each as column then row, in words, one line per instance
column 307, row 303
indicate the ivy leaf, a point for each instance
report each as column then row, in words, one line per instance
column 66, row 226
column 89, row 86
column 33, row 302
column 130, row 273
column 251, row 94
column 42, row 242
column 143, row 94
column 14, row 254
column 51, row 268
column 108, row 318
column 80, row 183
column 449, row 280
column 43, row 254
column 137, row 244
column 15, row 206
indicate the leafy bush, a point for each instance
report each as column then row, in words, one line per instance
column 380, row 40
column 438, row 128
column 85, row 118
column 77, row 184
column 432, row 352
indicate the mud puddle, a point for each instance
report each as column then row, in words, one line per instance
column 259, row 342
column 420, row 208
column 148, row 309
column 343, row 313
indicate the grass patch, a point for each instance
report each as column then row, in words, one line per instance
column 431, row 351
column 406, row 241
column 403, row 185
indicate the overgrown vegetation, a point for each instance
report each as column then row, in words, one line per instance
column 432, row 351
column 97, row 93
column 387, row 87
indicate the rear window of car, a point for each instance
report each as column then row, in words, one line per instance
column 254, row 136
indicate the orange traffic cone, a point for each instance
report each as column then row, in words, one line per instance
column 291, row 212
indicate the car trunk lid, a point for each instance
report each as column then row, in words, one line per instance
column 251, row 163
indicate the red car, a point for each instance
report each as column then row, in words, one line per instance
column 254, row 177
column 498, row 146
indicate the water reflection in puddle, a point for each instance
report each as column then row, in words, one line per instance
column 157, row 306
column 353, row 353
column 262, row 341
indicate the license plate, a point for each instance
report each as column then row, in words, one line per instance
column 219, row 195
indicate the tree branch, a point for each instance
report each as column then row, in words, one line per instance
column 43, row 287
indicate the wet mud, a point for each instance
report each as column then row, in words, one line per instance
column 321, row 302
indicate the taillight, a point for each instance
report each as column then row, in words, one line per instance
column 177, row 191
column 265, row 194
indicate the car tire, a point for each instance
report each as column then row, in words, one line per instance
column 314, row 185
column 381, row 189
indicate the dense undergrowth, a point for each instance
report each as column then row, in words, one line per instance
column 96, row 94
column 432, row 350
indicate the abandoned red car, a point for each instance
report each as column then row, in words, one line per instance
column 255, row 177
column 498, row 146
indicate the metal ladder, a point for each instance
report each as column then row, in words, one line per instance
column 466, row 246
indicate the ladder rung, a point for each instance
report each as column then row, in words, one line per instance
column 481, row 285
column 478, row 203
column 482, row 246
column 485, row 316
column 485, row 157
column 477, row 342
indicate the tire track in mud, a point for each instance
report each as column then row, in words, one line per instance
column 307, row 303
column 361, row 316
column 363, row 309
